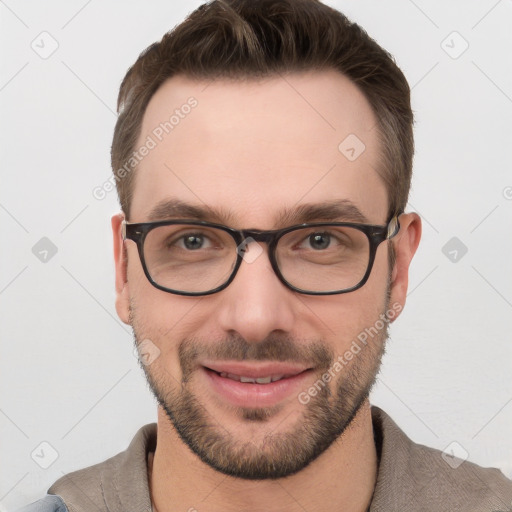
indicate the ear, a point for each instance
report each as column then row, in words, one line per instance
column 121, row 263
column 405, row 244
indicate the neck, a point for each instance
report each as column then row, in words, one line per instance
column 342, row 478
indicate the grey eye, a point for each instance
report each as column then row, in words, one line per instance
column 319, row 240
column 193, row 242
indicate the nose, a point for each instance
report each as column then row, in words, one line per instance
column 256, row 303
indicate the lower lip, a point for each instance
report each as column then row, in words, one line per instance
column 246, row 394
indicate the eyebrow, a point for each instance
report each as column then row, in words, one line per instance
column 342, row 210
column 176, row 209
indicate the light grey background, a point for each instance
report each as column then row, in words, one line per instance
column 68, row 374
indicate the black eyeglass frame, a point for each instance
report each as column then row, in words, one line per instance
column 376, row 234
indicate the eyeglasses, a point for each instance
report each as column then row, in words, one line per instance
column 187, row 257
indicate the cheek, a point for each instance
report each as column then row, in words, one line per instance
column 345, row 319
column 379, row 280
column 340, row 319
column 154, row 308
column 159, row 318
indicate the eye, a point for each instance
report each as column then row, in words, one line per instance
column 193, row 242
column 328, row 240
column 319, row 241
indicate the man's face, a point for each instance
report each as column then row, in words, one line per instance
column 254, row 153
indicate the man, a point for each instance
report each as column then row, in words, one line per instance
column 263, row 158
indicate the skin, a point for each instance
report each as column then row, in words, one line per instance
column 271, row 146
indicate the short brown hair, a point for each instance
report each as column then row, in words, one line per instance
column 262, row 38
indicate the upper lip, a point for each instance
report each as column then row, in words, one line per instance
column 256, row 369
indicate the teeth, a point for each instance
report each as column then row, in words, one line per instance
column 251, row 380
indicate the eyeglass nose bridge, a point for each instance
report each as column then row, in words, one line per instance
column 253, row 237
column 248, row 236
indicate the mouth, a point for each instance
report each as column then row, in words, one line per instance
column 254, row 380
column 255, row 384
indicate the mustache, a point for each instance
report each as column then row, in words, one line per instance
column 273, row 348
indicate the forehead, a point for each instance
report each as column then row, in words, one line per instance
column 255, row 147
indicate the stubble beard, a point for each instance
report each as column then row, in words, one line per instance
column 320, row 423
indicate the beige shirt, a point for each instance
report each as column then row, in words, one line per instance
column 411, row 477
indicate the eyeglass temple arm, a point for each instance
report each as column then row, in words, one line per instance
column 393, row 226
column 123, row 229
